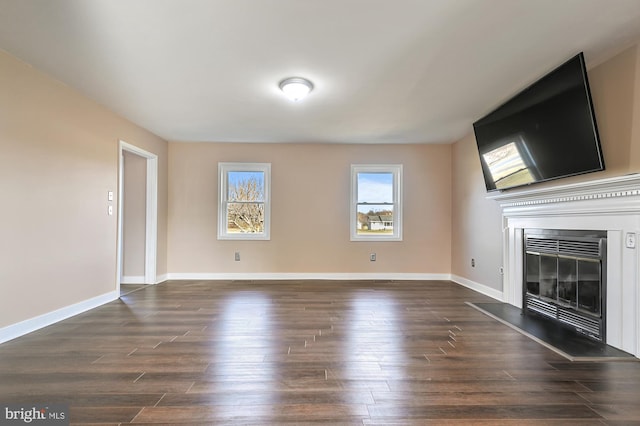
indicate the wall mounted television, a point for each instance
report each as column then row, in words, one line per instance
column 548, row 131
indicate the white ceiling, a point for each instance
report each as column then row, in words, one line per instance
column 385, row 71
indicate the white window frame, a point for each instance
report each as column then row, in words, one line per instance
column 396, row 170
column 223, row 186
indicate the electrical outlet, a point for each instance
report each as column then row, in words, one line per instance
column 237, row 256
column 372, row 257
column 630, row 240
column 473, row 263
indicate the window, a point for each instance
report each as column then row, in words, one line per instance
column 376, row 202
column 244, row 207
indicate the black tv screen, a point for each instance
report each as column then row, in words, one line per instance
column 547, row 131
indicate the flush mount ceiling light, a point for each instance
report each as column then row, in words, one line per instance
column 296, row 88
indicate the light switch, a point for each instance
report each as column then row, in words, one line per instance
column 110, row 210
column 110, row 195
column 630, row 240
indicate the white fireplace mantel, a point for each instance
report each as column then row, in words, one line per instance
column 612, row 205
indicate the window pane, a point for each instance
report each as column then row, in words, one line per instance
column 374, row 219
column 245, row 186
column 376, row 202
column 245, row 218
column 244, row 211
column 375, row 187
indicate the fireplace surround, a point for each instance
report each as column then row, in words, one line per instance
column 610, row 206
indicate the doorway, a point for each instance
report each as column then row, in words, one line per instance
column 138, row 226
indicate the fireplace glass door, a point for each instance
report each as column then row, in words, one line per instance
column 589, row 286
column 565, row 278
column 548, row 277
column 533, row 274
column 567, row 282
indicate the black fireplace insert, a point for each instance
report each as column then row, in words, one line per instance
column 565, row 278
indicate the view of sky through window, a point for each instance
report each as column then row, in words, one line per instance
column 240, row 179
column 373, row 215
column 375, row 188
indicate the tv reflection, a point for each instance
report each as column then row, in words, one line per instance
column 511, row 164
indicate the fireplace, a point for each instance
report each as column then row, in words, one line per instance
column 565, row 278
column 609, row 204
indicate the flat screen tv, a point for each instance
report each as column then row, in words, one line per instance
column 547, row 131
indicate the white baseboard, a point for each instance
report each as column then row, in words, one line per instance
column 480, row 288
column 139, row 279
column 13, row 331
column 308, row 276
column 132, row 279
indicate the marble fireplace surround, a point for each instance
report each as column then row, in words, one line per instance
column 612, row 205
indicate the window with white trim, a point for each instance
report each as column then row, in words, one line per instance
column 376, row 202
column 244, row 206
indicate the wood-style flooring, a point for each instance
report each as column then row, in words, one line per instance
column 308, row 352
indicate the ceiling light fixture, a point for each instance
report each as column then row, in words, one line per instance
column 296, row 88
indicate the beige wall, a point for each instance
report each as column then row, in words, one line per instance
column 615, row 88
column 477, row 222
column 310, row 210
column 134, row 216
column 59, row 158
column 635, row 132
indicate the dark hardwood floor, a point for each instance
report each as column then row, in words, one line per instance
column 312, row 352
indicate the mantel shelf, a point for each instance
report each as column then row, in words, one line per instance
column 615, row 187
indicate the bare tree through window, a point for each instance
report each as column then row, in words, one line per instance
column 244, row 205
column 245, row 211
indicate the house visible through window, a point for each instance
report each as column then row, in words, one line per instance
column 376, row 209
column 244, row 206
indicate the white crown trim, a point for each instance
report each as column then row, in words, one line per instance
column 615, row 187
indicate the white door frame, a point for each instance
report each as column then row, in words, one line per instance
column 151, row 231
